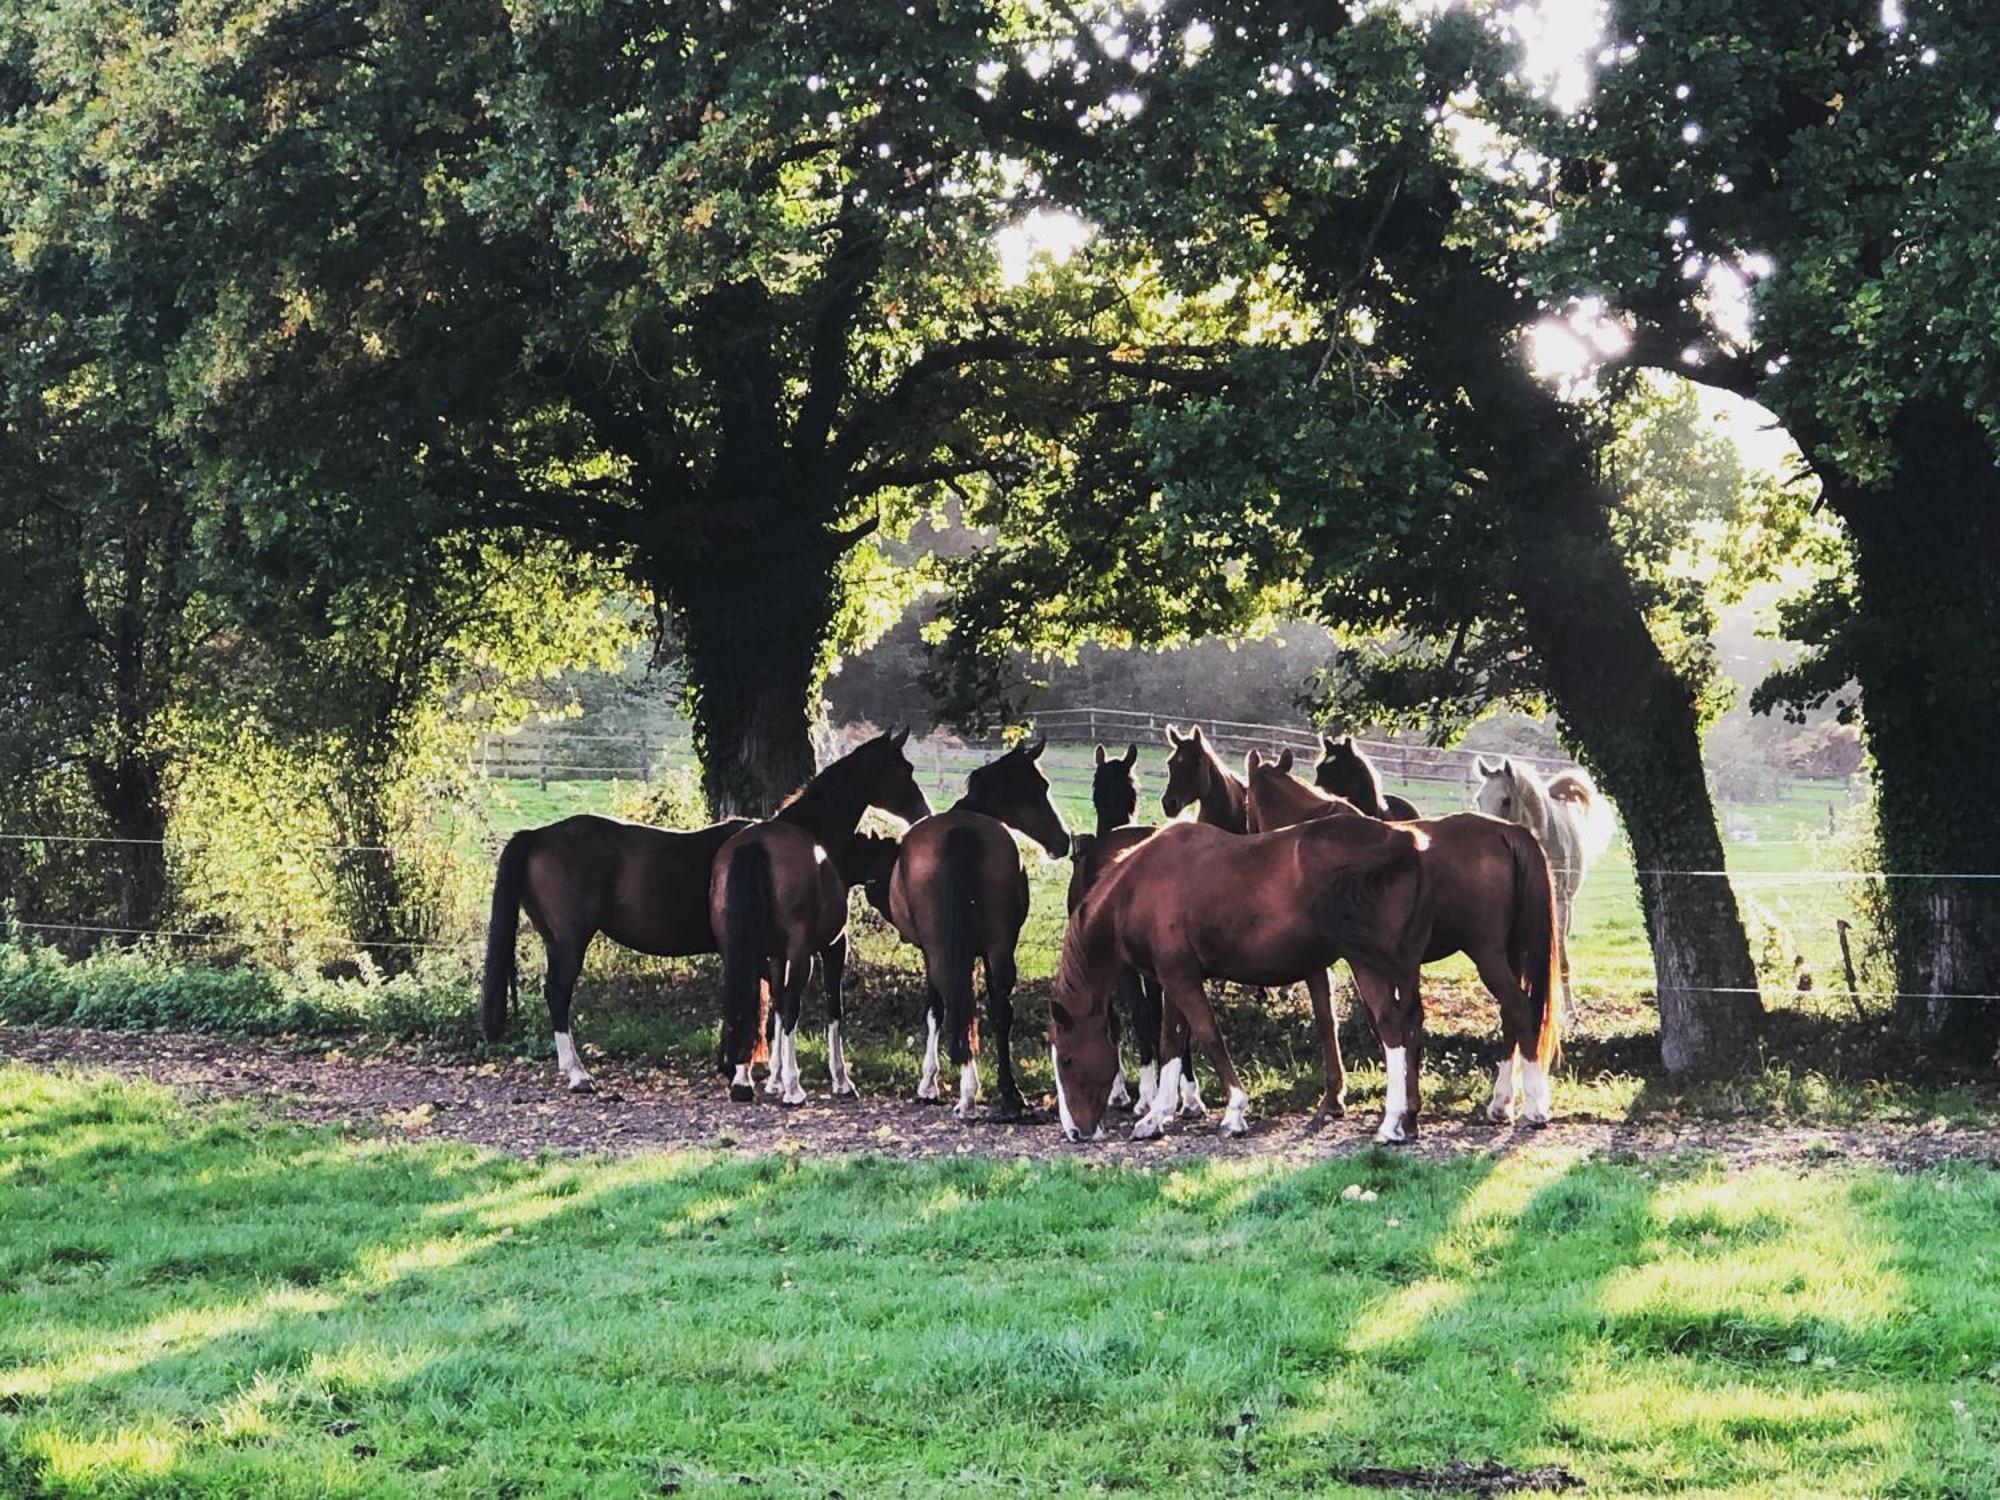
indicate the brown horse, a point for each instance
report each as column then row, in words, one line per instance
column 776, row 898
column 1346, row 772
column 1193, row 903
column 960, row 893
column 1491, row 899
column 1196, row 777
column 646, row 888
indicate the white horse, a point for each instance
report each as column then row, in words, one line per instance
column 1571, row 818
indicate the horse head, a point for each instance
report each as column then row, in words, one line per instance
column 890, row 779
column 1114, row 788
column 1085, row 1060
column 1014, row 790
column 1189, row 767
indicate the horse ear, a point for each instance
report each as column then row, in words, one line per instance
column 1034, row 748
column 899, row 737
column 1062, row 1018
column 1507, row 765
column 1253, row 762
column 1131, row 755
column 1485, row 768
column 1285, row 760
column 1172, row 738
column 1328, row 744
column 1195, row 734
column 1100, row 755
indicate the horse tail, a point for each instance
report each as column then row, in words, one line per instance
column 958, row 888
column 503, row 922
column 747, row 904
column 1590, row 813
column 1345, row 909
column 1531, row 938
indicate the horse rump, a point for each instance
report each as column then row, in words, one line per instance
column 503, row 924
column 1346, row 907
column 746, row 946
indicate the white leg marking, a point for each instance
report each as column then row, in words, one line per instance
column 1397, row 1061
column 1190, row 1092
column 1535, row 1107
column 1149, row 1084
column 1164, row 1098
column 927, row 1081
column 572, row 1070
column 794, row 1092
column 1119, row 1096
column 968, row 1089
column 742, row 1080
column 1070, row 1131
column 1501, row 1110
column 836, row 1062
column 1233, row 1118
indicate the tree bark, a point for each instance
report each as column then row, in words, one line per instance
column 1927, row 654
column 1632, row 720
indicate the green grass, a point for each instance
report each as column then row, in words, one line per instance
column 195, row 1303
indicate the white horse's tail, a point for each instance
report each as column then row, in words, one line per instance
column 1595, row 824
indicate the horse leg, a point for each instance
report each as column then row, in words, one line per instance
column 1319, row 987
column 1166, row 1095
column 1121, row 1097
column 1000, row 1017
column 797, row 970
column 1399, row 1022
column 1202, row 1030
column 927, row 1080
column 1189, row 1086
column 1519, row 1028
column 832, row 973
column 774, row 1028
column 1143, row 994
column 1565, row 909
column 565, row 962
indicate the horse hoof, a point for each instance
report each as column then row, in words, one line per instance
column 1145, row 1128
column 1535, row 1122
column 1013, row 1109
column 1501, row 1114
column 1332, row 1109
column 1235, row 1127
column 793, row 1101
column 582, row 1085
column 743, row 1093
column 845, row 1089
column 962, row 1113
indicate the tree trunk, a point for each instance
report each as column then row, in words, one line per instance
column 755, row 633
column 1927, row 654
column 1633, row 722
column 131, row 795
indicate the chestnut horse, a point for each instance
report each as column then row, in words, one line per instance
column 646, row 888
column 776, row 897
column 1193, row 903
column 959, row 892
column 1196, row 777
column 1491, row 899
column 1347, row 773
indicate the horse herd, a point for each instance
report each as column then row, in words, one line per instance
column 1270, row 883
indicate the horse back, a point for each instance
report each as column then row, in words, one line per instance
column 1096, row 853
column 644, row 887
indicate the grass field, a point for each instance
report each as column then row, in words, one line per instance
column 197, row 1303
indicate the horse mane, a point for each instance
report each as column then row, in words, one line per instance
column 1077, row 958
column 1595, row 825
column 1533, row 797
column 798, row 807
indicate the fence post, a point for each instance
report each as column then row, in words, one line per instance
column 544, row 743
column 645, row 764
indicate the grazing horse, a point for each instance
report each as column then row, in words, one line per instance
column 776, row 897
column 1197, row 777
column 1567, row 813
column 959, row 892
column 1346, row 772
column 646, row 888
column 1193, row 903
column 1491, row 899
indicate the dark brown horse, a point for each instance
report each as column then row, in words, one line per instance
column 1491, row 899
column 776, row 898
column 960, row 893
column 1196, row 777
column 646, row 888
column 1114, row 789
column 1346, row 772
column 1193, row 903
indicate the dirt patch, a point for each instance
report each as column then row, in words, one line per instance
column 523, row 1108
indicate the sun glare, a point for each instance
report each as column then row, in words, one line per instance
column 1042, row 235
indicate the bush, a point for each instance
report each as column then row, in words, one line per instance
column 151, row 988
